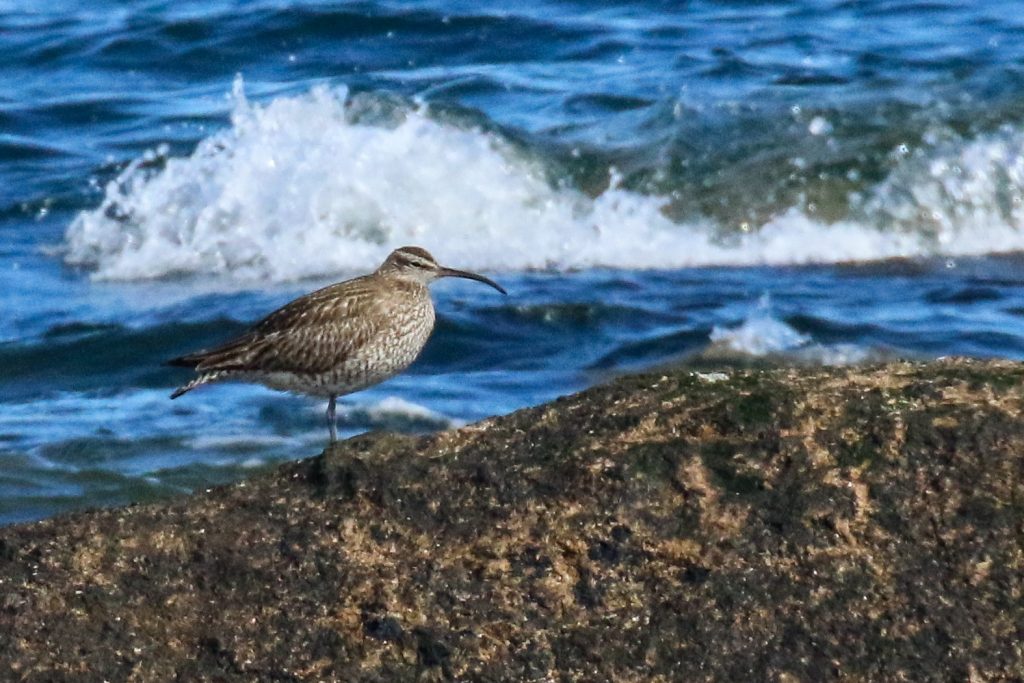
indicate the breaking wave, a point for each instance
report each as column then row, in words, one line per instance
column 325, row 183
column 763, row 335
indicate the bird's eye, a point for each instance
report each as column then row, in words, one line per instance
column 407, row 260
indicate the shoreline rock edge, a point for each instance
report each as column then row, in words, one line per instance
column 787, row 525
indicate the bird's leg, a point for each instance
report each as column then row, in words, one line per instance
column 331, row 423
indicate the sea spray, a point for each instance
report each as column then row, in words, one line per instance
column 299, row 187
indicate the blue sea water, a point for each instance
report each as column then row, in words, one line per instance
column 712, row 183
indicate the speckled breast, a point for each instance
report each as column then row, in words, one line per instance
column 392, row 350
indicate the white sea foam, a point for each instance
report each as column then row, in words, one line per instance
column 393, row 412
column 300, row 187
column 966, row 196
column 761, row 334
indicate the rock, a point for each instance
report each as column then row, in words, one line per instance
column 787, row 525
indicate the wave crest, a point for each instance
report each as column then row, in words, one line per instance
column 302, row 187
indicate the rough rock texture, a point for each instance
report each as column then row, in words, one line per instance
column 785, row 525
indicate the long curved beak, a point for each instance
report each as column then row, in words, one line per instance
column 452, row 272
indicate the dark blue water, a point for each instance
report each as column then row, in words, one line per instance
column 712, row 183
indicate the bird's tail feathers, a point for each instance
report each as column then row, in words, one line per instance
column 198, row 381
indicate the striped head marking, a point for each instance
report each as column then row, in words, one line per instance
column 416, row 264
column 411, row 260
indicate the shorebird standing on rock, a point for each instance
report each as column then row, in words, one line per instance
column 336, row 340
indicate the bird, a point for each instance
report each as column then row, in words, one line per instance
column 336, row 340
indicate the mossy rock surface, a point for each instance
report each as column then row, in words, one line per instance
column 771, row 525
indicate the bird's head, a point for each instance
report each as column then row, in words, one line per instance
column 416, row 264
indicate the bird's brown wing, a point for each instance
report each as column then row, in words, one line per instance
column 309, row 335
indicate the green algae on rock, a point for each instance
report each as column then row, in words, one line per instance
column 790, row 525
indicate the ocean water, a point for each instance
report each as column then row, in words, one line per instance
column 711, row 183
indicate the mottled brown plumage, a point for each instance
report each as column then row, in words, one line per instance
column 336, row 340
